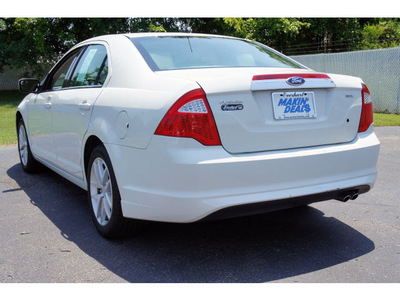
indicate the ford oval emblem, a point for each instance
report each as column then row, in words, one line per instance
column 295, row 81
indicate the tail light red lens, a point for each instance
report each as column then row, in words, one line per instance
column 367, row 116
column 191, row 117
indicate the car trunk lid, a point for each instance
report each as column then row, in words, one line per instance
column 263, row 109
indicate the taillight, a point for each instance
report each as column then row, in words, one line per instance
column 191, row 117
column 366, row 113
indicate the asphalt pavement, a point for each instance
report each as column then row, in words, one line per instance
column 47, row 235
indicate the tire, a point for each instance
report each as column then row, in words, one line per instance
column 28, row 162
column 105, row 200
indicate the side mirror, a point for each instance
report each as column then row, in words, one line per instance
column 28, row 85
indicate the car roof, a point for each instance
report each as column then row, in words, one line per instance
column 142, row 34
column 151, row 34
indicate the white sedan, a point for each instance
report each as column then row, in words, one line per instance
column 178, row 127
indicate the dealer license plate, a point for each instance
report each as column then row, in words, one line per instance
column 294, row 105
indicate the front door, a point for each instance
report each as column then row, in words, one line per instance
column 41, row 106
column 40, row 124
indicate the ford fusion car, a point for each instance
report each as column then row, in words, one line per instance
column 185, row 127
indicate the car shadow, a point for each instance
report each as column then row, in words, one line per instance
column 258, row 248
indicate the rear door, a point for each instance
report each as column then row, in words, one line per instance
column 73, row 107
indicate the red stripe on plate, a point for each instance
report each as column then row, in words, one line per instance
column 286, row 76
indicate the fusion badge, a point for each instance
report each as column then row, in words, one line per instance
column 231, row 107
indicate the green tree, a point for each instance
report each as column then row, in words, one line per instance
column 275, row 32
column 205, row 25
column 326, row 35
column 384, row 33
column 36, row 43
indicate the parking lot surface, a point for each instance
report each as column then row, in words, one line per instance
column 47, row 235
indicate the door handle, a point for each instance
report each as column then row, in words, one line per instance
column 84, row 105
column 47, row 104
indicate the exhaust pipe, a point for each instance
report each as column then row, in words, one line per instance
column 350, row 195
column 346, row 198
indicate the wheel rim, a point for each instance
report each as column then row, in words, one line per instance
column 23, row 145
column 101, row 191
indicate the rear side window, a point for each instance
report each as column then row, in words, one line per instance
column 192, row 52
column 92, row 67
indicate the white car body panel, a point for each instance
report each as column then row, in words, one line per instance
column 40, row 123
column 174, row 179
column 71, row 111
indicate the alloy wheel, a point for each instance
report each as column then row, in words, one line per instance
column 101, row 191
column 23, row 145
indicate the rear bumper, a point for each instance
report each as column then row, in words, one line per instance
column 179, row 180
column 274, row 205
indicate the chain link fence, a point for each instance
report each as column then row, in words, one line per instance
column 379, row 69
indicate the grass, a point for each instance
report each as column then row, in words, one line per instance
column 9, row 101
column 386, row 120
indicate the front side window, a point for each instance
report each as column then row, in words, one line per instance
column 92, row 68
column 193, row 52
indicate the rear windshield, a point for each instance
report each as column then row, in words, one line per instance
column 184, row 52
